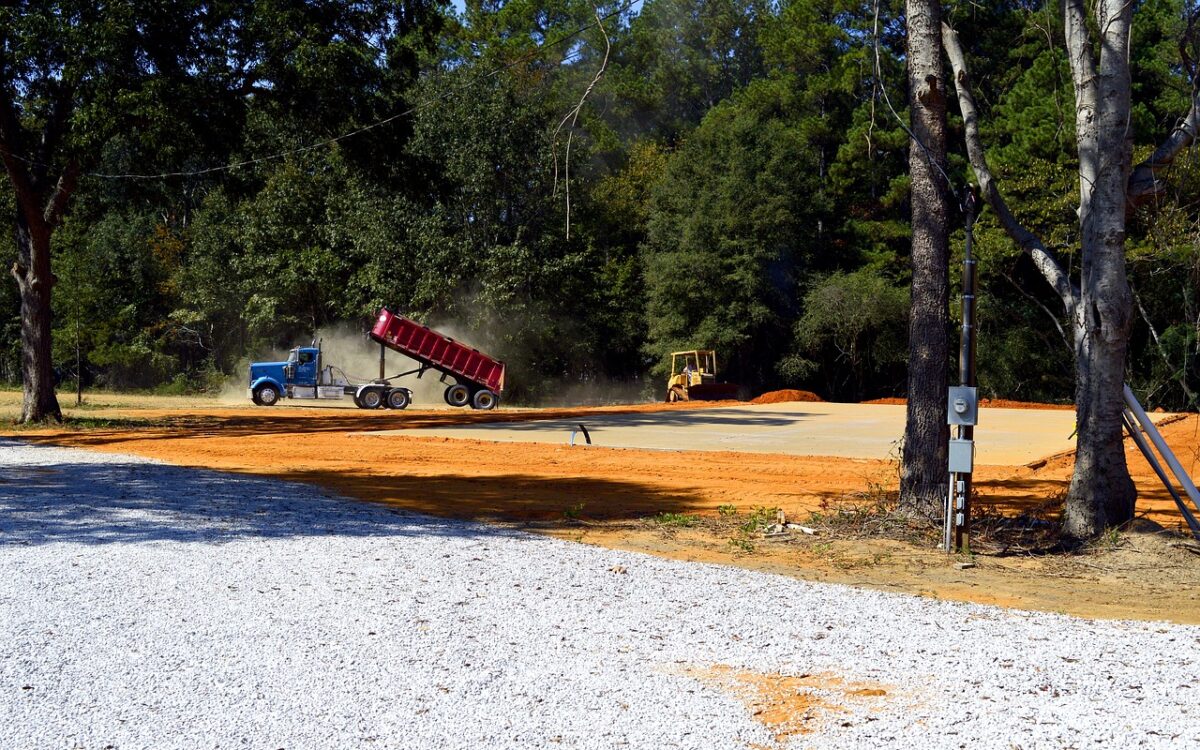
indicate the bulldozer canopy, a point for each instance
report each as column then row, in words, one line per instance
column 697, row 360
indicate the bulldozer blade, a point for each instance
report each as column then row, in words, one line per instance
column 713, row 392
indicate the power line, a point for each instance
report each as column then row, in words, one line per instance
column 366, row 128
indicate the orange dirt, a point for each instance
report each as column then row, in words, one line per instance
column 786, row 705
column 602, row 495
column 779, row 397
column 991, row 403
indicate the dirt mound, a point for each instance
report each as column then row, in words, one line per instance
column 991, row 403
column 788, row 394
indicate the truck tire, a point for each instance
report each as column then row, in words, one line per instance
column 397, row 398
column 458, row 395
column 485, row 400
column 370, row 398
column 266, row 395
column 676, row 395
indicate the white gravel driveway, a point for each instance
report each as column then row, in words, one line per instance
column 144, row 605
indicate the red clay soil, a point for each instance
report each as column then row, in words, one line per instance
column 609, row 490
column 786, row 395
column 990, row 403
column 479, row 479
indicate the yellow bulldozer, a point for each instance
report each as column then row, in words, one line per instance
column 694, row 378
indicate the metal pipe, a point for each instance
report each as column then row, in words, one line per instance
column 1164, row 450
column 958, row 510
column 967, row 375
column 1140, row 440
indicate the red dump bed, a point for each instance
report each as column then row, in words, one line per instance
column 443, row 353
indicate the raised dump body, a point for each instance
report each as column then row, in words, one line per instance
column 480, row 379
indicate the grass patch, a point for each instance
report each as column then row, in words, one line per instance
column 759, row 519
column 741, row 546
column 677, row 520
column 84, row 424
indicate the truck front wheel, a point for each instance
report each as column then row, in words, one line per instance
column 266, row 395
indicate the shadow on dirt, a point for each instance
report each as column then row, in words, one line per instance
column 294, row 421
column 46, row 500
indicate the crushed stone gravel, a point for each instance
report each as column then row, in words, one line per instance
column 144, row 605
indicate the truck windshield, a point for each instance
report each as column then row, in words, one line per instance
column 294, row 357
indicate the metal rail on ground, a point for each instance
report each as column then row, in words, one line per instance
column 1136, row 416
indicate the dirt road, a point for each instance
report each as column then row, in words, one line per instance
column 604, row 495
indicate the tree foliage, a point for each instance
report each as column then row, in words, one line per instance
column 738, row 180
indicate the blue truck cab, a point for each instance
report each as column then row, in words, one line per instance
column 298, row 377
column 306, row 376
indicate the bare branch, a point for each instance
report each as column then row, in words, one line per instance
column 1049, row 313
column 56, row 126
column 1079, row 47
column 57, row 205
column 1175, row 372
column 1029, row 243
column 1144, row 182
column 10, row 140
column 573, row 117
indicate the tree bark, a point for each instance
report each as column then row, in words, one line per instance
column 923, row 477
column 40, row 208
column 34, row 282
column 1100, row 308
column 1102, row 494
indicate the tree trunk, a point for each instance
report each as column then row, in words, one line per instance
column 34, row 281
column 923, row 477
column 1102, row 494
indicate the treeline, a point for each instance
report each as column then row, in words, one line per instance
column 736, row 178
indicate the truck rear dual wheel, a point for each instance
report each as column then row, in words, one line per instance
column 397, row 398
column 457, row 395
column 485, row 400
column 369, row 398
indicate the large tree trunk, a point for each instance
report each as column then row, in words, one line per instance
column 35, row 281
column 1102, row 493
column 923, row 477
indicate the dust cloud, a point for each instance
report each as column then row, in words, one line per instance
column 355, row 357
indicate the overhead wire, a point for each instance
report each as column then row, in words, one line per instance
column 521, row 59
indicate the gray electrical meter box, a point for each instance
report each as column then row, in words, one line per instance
column 962, row 456
column 962, row 406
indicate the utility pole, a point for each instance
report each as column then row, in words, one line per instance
column 962, row 410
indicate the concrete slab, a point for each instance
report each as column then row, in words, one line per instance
column 1004, row 436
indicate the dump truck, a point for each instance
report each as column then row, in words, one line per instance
column 694, row 378
column 472, row 378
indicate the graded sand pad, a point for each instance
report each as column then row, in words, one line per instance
column 1009, row 437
